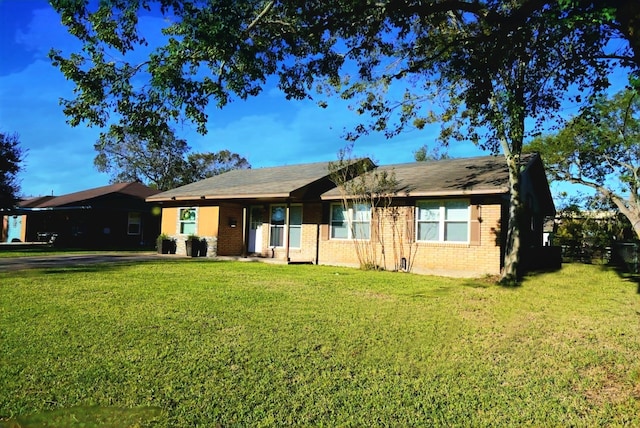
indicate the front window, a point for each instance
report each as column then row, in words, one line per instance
column 277, row 221
column 339, row 225
column 351, row 223
column 188, row 221
column 133, row 224
column 442, row 221
column 278, row 225
column 295, row 226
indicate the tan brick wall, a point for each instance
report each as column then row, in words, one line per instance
column 311, row 219
column 437, row 258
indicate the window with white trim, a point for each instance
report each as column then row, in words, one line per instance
column 352, row 223
column 277, row 225
column 442, row 221
column 187, row 221
column 295, row 226
column 134, row 222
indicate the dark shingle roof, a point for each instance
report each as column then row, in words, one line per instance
column 137, row 190
column 250, row 183
column 34, row 202
column 448, row 177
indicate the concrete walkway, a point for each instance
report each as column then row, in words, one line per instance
column 67, row 260
column 72, row 260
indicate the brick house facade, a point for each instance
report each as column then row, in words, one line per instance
column 106, row 217
column 445, row 217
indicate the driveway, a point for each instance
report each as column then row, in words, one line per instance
column 67, row 260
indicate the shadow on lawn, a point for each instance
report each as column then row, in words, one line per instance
column 87, row 417
column 76, row 263
column 96, row 266
column 626, row 275
column 104, row 267
column 483, row 282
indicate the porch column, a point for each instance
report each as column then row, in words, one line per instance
column 245, row 230
column 286, row 221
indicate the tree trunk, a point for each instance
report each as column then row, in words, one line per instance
column 630, row 209
column 512, row 244
column 631, row 212
column 635, row 222
column 510, row 132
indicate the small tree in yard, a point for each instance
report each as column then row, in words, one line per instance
column 367, row 196
column 403, row 247
column 11, row 157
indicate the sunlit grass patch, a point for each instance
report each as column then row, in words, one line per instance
column 231, row 343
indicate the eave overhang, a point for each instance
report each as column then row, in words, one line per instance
column 433, row 194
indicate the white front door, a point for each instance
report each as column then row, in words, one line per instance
column 255, row 229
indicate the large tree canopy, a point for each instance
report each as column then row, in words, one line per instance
column 491, row 64
column 163, row 163
column 11, row 158
column 216, row 49
column 204, row 165
column 600, row 149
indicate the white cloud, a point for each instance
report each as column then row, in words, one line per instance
column 45, row 32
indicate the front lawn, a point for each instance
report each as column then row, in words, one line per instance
column 202, row 343
column 43, row 250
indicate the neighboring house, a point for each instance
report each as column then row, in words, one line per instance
column 114, row 216
column 448, row 214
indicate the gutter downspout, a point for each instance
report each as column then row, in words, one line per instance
column 287, row 222
column 245, row 232
column 317, row 243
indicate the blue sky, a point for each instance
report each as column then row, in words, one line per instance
column 268, row 130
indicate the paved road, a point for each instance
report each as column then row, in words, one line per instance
column 46, row 262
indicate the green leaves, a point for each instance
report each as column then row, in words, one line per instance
column 216, row 50
column 11, row 158
column 163, row 163
column 600, row 148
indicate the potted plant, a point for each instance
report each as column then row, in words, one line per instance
column 193, row 246
column 204, row 247
column 165, row 244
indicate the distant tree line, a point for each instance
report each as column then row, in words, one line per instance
column 160, row 161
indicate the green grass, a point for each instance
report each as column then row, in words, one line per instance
column 26, row 251
column 201, row 343
column 39, row 251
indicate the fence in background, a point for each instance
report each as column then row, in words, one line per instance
column 624, row 255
